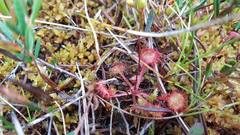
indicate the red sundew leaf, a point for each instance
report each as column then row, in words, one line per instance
column 103, row 91
column 177, row 101
column 134, row 79
column 150, row 56
column 118, row 68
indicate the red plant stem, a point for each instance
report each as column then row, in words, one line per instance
column 139, row 80
column 126, row 80
column 135, row 89
column 162, row 88
column 179, row 119
column 130, row 85
column 121, row 95
column 163, row 98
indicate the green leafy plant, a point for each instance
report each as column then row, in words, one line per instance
column 6, row 124
column 237, row 26
column 196, row 129
column 20, row 36
column 4, row 8
column 216, row 5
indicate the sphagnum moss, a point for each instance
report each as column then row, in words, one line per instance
column 65, row 48
column 6, row 65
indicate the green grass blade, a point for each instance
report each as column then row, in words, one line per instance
column 209, row 71
column 3, row 8
column 201, row 3
column 216, row 5
column 196, row 129
column 13, row 28
column 20, row 13
column 30, row 2
column 228, row 67
column 70, row 133
column 9, row 4
column 37, row 48
column 35, row 9
column 149, row 21
column 29, row 39
column 6, row 31
column 180, row 3
column 237, row 26
column 6, row 124
column 23, row 57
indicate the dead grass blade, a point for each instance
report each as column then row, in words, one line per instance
column 13, row 96
column 17, row 124
column 37, row 92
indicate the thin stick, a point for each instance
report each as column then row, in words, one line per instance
column 126, row 80
column 55, row 128
column 93, row 130
column 56, row 68
column 146, row 126
column 92, row 28
column 193, row 28
column 119, row 41
column 80, row 123
column 53, row 112
column 204, row 25
column 17, row 124
column 140, row 116
column 15, row 109
column 63, row 26
column 12, row 73
column 124, row 119
column 1, row 122
column 104, row 57
column 79, row 128
column 50, row 126
column 111, row 119
column 63, row 119
column 160, row 81
column 85, row 106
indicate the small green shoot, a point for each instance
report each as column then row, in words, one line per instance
column 21, row 28
column 20, row 14
column 35, row 9
column 196, row 129
column 3, row 8
column 216, row 6
column 6, row 124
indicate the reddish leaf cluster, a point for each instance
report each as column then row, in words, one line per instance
column 103, row 91
column 175, row 101
column 150, row 56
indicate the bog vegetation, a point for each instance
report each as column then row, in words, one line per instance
column 119, row 67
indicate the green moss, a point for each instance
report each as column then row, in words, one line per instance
column 6, row 65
